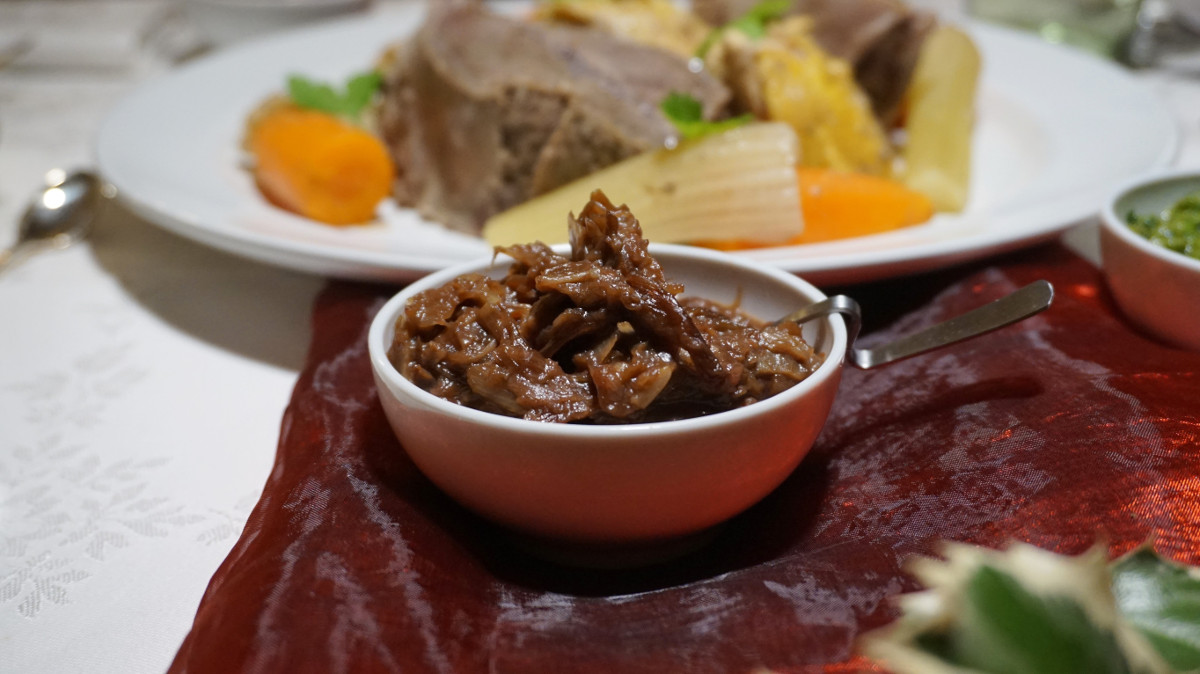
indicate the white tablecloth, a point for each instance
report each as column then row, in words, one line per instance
column 142, row 377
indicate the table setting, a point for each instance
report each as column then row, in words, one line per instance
column 202, row 468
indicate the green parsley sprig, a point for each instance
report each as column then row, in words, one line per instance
column 687, row 114
column 752, row 24
column 349, row 103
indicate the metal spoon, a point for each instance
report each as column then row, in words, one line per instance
column 1022, row 304
column 59, row 215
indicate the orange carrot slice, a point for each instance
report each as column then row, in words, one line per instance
column 318, row 166
column 840, row 205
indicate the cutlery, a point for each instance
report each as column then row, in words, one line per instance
column 60, row 214
column 1017, row 306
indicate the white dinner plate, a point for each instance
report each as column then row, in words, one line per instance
column 1056, row 130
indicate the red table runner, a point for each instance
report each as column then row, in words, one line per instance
column 1060, row 431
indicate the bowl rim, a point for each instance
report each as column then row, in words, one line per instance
column 1115, row 223
column 385, row 319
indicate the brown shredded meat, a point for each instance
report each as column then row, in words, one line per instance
column 598, row 336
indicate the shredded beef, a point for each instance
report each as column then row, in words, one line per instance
column 599, row 336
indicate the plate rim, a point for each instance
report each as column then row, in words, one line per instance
column 391, row 265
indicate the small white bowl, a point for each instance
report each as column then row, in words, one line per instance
column 1156, row 288
column 621, row 484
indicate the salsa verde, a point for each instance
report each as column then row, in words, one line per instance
column 1176, row 228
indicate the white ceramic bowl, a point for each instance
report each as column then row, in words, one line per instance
column 622, row 484
column 1156, row 288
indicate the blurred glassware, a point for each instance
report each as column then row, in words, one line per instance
column 1188, row 14
column 1167, row 36
column 1100, row 26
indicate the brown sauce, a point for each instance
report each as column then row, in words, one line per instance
column 596, row 336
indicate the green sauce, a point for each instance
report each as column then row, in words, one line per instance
column 1176, row 228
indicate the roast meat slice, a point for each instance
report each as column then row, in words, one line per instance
column 482, row 112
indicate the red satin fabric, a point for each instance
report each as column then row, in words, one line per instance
column 1060, row 431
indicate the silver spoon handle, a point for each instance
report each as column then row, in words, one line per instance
column 1007, row 310
column 1022, row 304
column 834, row 304
column 9, row 257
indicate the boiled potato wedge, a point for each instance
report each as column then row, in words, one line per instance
column 941, row 117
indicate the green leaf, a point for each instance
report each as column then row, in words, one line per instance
column 313, row 95
column 682, row 108
column 1005, row 629
column 349, row 103
column 687, row 114
column 753, row 23
column 1162, row 600
column 361, row 89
